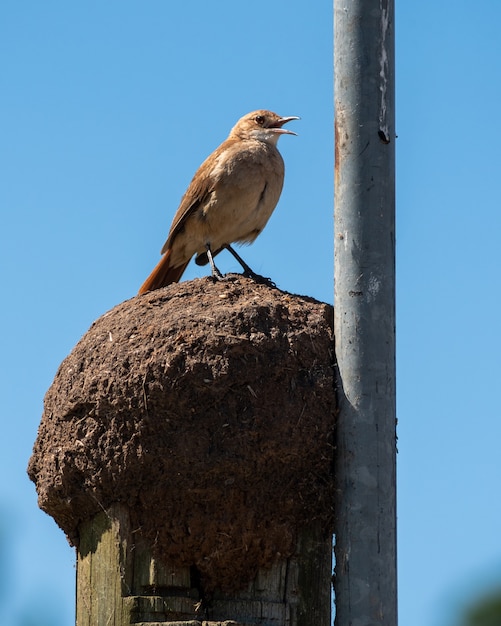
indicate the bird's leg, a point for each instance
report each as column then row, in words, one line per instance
column 248, row 272
column 215, row 272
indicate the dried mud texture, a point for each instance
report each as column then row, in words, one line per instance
column 205, row 407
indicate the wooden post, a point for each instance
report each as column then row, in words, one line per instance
column 120, row 582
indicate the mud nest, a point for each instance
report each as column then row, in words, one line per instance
column 208, row 410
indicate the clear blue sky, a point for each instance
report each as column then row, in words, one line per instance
column 107, row 109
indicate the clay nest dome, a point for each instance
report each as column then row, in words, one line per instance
column 207, row 408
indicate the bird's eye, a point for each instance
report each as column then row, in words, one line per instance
column 259, row 119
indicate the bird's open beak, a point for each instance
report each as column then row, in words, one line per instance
column 283, row 120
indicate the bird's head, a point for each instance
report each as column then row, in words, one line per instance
column 262, row 125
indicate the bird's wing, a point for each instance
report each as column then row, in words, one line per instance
column 200, row 188
column 195, row 195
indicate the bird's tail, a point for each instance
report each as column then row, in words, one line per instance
column 163, row 274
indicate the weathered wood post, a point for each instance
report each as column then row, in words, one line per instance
column 186, row 451
column 366, row 577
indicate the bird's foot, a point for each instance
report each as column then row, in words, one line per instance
column 262, row 280
column 248, row 272
column 216, row 275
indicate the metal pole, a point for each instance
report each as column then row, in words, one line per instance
column 365, row 575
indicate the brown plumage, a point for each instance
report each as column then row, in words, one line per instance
column 230, row 198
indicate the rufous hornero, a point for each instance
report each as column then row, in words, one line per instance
column 230, row 199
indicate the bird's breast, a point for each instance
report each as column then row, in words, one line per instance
column 247, row 187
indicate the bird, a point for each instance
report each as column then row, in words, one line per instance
column 229, row 200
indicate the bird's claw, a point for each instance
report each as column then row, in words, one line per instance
column 262, row 280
